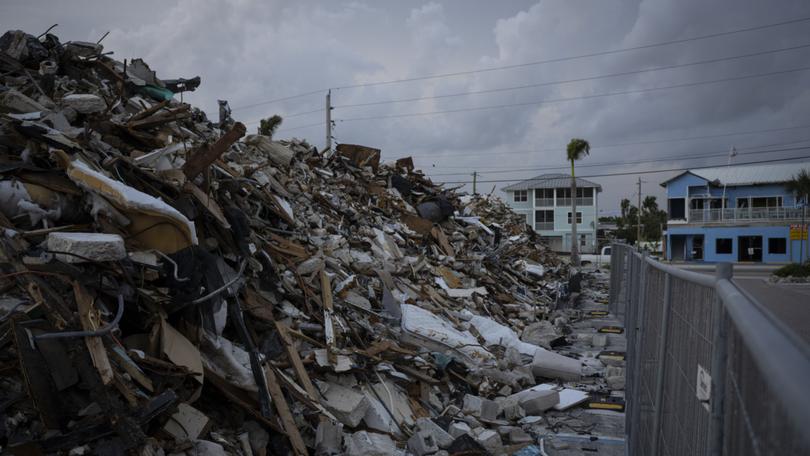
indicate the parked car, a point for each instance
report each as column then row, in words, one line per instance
column 600, row 259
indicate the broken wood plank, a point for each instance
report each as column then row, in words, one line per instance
column 283, row 409
column 295, row 359
column 207, row 155
column 442, row 240
column 91, row 321
column 209, row 203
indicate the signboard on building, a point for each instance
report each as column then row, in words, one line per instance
column 797, row 233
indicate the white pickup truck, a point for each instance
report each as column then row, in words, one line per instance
column 600, row 259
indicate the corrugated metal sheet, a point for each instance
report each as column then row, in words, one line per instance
column 750, row 174
column 556, row 180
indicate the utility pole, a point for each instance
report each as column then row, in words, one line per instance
column 638, row 228
column 475, row 178
column 329, row 120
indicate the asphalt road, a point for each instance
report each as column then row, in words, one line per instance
column 789, row 303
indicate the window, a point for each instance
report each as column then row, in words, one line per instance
column 521, row 196
column 544, row 197
column 677, row 209
column 777, row 245
column 585, row 196
column 773, row 201
column 723, row 245
column 583, row 240
column 579, row 218
column 543, row 220
column 563, row 197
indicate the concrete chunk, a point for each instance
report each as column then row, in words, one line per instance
column 422, row 443
column 85, row 103
column 488, row 439
column 81, row 247
column 187, row 423
column 458, row 429
column 347, row 405
column 472, row 405
column 371, row 444
column 490, row 410
column 328, row 438
column 440, row 436
column 540, row 401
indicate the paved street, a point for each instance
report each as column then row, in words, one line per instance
column 790, row 303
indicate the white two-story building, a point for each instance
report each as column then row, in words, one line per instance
column 545, row 201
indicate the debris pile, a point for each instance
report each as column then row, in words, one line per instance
column 174, row 286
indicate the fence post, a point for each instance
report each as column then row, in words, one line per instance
column 724, row 271
column 635, row 330
column 661, row 368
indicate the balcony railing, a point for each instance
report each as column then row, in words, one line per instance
column 544, row 202
column 744, row 214
column 544, row 226
column 580, row 201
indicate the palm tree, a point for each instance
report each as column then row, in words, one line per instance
column 577, row 148
column 800, row 185
column 268, row 126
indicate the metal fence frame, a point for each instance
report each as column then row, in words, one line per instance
column 690, row 334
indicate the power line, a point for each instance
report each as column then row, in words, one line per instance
column 655, row 160
column 289, row 116
column 567, row 81
column 526, row 64
column 301, row 127
column 606, row 146
column 628, row 173
column 576, row 57
column 276, row 100
column 583, row 97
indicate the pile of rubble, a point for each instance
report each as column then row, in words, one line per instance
column 171, row 285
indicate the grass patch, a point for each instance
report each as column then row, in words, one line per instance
column 794, row 270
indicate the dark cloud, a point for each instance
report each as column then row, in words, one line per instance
column 250, row 50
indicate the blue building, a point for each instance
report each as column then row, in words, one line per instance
column 735, row 213
column 545, row 202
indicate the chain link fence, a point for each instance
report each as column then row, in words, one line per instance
column 709, row 372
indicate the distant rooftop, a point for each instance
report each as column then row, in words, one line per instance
column 747, row 174
column 555, row 180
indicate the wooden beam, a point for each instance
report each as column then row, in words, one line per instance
column 298, row 365
column 90, row 320
column 283, row 409
column 209, row 154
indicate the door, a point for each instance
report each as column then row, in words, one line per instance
column 750, row 248
column 697, row 248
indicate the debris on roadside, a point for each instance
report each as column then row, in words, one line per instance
column 173, row 286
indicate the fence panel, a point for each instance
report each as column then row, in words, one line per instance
column 686, row 420
column 755, row 422
column 697, row 384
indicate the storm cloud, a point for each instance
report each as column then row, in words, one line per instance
column 250, row 51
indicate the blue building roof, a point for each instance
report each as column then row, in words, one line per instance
column 746, row 174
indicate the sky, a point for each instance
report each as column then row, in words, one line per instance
column 569, row 73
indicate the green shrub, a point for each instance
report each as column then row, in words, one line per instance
column 794, row 270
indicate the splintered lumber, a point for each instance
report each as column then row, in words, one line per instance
column 295, row 360
column 209, row 154
column 89, row 317
column 284, row 413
